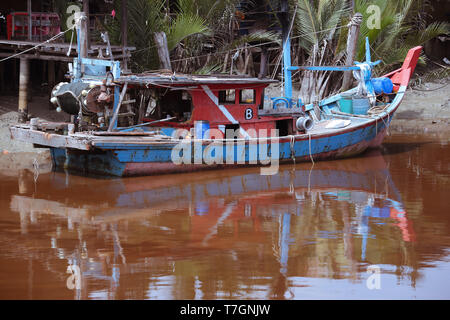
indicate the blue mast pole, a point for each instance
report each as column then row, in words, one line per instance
column 287, row 69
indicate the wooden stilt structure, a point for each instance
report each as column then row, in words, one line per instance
column 23, row 89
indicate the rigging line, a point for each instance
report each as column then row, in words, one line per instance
column 146, row 48
column 38, row 45
column 292, row 145
column 310, row 155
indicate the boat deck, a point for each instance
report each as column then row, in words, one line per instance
column 87, row 140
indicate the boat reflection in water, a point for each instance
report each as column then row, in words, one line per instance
column 221, row 234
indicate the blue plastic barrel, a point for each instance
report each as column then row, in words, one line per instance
column 200, row 128
column 382, row 85
column 360, row 105
column 346, row 103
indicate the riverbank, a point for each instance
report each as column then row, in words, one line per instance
column 424, row 110
column 16, row 155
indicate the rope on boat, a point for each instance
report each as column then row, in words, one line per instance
column 309, row 177
column 36, row 169
column 389, row 120
column 292, row 144
column 310, row 155
column 376, row 127
column 70, row 46
column 377, row 109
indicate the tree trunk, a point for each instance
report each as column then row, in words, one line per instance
column 163, row 50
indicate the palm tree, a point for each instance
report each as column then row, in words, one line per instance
column 317, row 25
column 145, row 17
column 198, row 32
column 321, row 28
column 400, row 29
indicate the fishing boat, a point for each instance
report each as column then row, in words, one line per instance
column 166, row 122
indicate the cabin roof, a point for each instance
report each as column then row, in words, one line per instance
column 175, row 79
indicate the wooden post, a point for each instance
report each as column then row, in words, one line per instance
column 352, row 41
column 124, row 28
column 263, row 63
column 86, row 12
column 163, row 50
column 30, row 23
column 81, row 18
column 251, row 66
column 23, row 89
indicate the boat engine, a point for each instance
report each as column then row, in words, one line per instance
column 92, row 103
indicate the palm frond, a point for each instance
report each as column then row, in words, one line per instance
column 185, row 25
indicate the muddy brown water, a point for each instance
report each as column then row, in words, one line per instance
column 372, row 227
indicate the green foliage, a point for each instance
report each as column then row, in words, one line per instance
column 321, row 27
column 316, row 21
column 318, row 28
column 195, row 28
column 400, row 30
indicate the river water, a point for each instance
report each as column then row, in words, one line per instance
column 371, row 227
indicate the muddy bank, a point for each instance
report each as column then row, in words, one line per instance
column 425, row 109
column 16, row 155
column 14, row 162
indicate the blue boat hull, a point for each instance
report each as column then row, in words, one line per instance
column 137, row 160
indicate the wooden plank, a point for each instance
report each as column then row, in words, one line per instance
column 49, row 139
column 23, row 43
column 39, row 57
column 122, row 133
column 280, row 111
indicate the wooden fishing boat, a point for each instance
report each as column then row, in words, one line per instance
column 154, row 123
